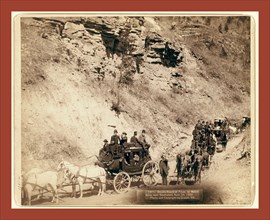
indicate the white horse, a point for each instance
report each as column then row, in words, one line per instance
column 44, row 181
column 85, row 174
column 25, row 176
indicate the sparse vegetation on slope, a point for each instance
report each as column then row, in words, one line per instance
column 79, row 81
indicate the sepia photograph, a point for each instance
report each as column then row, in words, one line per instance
column 134, row 110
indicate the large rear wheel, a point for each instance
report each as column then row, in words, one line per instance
column 150, row 173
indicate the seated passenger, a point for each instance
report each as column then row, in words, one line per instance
column 105, row 145
column 143, row 141
column 136, row 159
column 127, row 158
column 124, row 138
column 115, row 138
column 103, row 150
column 105, row 153
column 134, row 139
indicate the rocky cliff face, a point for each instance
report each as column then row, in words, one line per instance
column 84, row 76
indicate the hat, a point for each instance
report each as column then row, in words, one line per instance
column 124, row 133
column 135, row 132
column 105, row 140
column 143, row 131
column 115, row 131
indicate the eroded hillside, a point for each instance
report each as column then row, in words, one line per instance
column 83, row 77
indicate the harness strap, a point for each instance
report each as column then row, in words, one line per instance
column 36, row 185
column 91, row 178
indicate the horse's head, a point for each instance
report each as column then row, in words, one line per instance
column 63, row 176
column 60, row 166
column 63, row 164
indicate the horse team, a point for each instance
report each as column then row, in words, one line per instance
column 53, row 181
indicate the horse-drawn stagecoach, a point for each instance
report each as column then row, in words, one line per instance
column 128, row 163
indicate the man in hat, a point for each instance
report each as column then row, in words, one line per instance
column 136, row 159
column 123, row 138
column 205, row 157
column 164, row 169
column 134, row 138
column 179, row 166
column 143, row 141
column 207, row 128
column 203, row 127
column 115, row 138
column 198, row 125
column 104, row 150
column 105, row 145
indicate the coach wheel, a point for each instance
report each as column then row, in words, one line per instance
column 121, row 182
column 150, row 173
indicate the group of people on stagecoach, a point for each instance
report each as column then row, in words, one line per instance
column 121, row 142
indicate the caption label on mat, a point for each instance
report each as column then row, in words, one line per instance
column 169, row 195
column 172, row 194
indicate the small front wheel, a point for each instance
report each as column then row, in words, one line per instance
column 121, row 182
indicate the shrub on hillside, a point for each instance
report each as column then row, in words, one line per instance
column 236, row 99
column 116, row 107
column 127, row 70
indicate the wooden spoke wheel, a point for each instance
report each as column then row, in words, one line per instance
column 121, row 182
column 150, row 173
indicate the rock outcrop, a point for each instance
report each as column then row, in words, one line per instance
column 126, row 36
